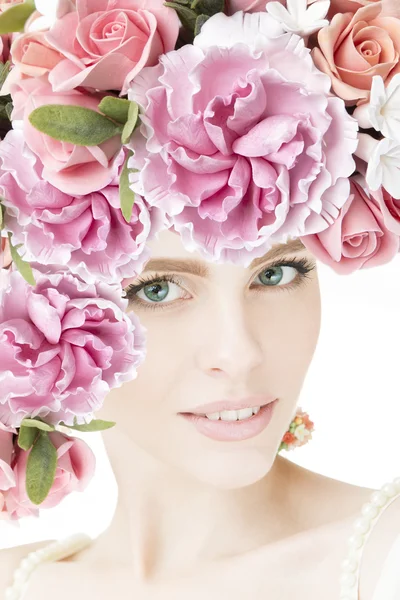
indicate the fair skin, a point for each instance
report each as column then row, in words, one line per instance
column 195, row 516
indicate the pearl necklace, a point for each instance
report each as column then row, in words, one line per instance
column 54, row 551
column 351, row 566
column 362, row 529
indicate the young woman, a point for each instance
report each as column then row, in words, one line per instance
column 208, row 512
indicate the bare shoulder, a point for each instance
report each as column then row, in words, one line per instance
column 10, row 559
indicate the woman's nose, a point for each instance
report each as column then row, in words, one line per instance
column 228, row 340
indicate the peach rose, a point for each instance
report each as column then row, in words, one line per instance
column 354, row 48
column 358, row 238
column 390, row 8
column 33, row 55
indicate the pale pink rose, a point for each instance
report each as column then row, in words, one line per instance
column 359, row 238
column 87, row 233
column 75, row 469
column 108, row 42
column 250, row 149
column 390, row 8
column 354, row 48
column 33, row 55
column 63, row 345
column 249, row 6
column 5, row 253
column 72, row 169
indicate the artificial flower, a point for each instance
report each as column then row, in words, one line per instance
column 63, row 344
column 383, row 159
column 383, row 110
column 299, row 17
column 251, row 149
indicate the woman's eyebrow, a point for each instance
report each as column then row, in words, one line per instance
column 197, row 267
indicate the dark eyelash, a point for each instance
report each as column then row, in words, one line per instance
column 303, row 266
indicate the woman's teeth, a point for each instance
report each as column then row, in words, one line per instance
column 233, row 415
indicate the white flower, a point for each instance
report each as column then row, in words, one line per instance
column 299, row 18
column 300, row 432
column 383, row 158
column 51, row 10
column 383, row 110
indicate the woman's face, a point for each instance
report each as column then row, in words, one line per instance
column 215, row 332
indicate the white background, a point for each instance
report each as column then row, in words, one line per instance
column 352, row 393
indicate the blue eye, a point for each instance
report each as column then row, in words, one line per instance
column 152, row 291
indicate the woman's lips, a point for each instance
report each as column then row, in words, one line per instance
column 233, row 431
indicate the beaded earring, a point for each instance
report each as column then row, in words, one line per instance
column 299, row 432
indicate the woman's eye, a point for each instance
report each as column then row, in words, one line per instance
column 273, row 276
column 158, row 291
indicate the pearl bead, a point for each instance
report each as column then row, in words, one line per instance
column 349, row 565
column 389, row 489
column 379, row 498
column 369, row 510
column 356, row 541
column 348, row 580
column 362, row 525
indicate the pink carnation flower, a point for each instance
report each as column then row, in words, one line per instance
column 242, row 143
column 64, row 344
column 87, row 233
column 359, row 238
column 76, row 465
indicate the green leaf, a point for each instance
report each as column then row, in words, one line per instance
column 4, row 71
column 201, row 19
column 94, row 425
column 40, row 468
column 23, row 267
column 26, row 437
column 115, row 108
column 9, row 108
column 207, row 7
column 15, row 17
column 186, row 15
column 126, row 195
column 37, row 423
column 133, row 115
column 74, row 124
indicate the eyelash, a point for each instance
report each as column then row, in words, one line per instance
column 303, row 266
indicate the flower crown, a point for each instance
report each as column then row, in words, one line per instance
column 236, row 125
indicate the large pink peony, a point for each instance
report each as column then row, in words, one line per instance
column 107, row 42
column 359, row 238
column 76, row 465
column 242, row 144
column 64, row 344
column 87, row 233
column 72, row 169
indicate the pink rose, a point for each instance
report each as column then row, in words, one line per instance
column 5, row 43
column 354, row 48
column 87, row 233
column 390, row 8
column 249, row 6
column 76, row 465
column 108, row 42
column 63, row 345
column 33, row 55
column 252, row 148
column 359, row 238
column 72, row 169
